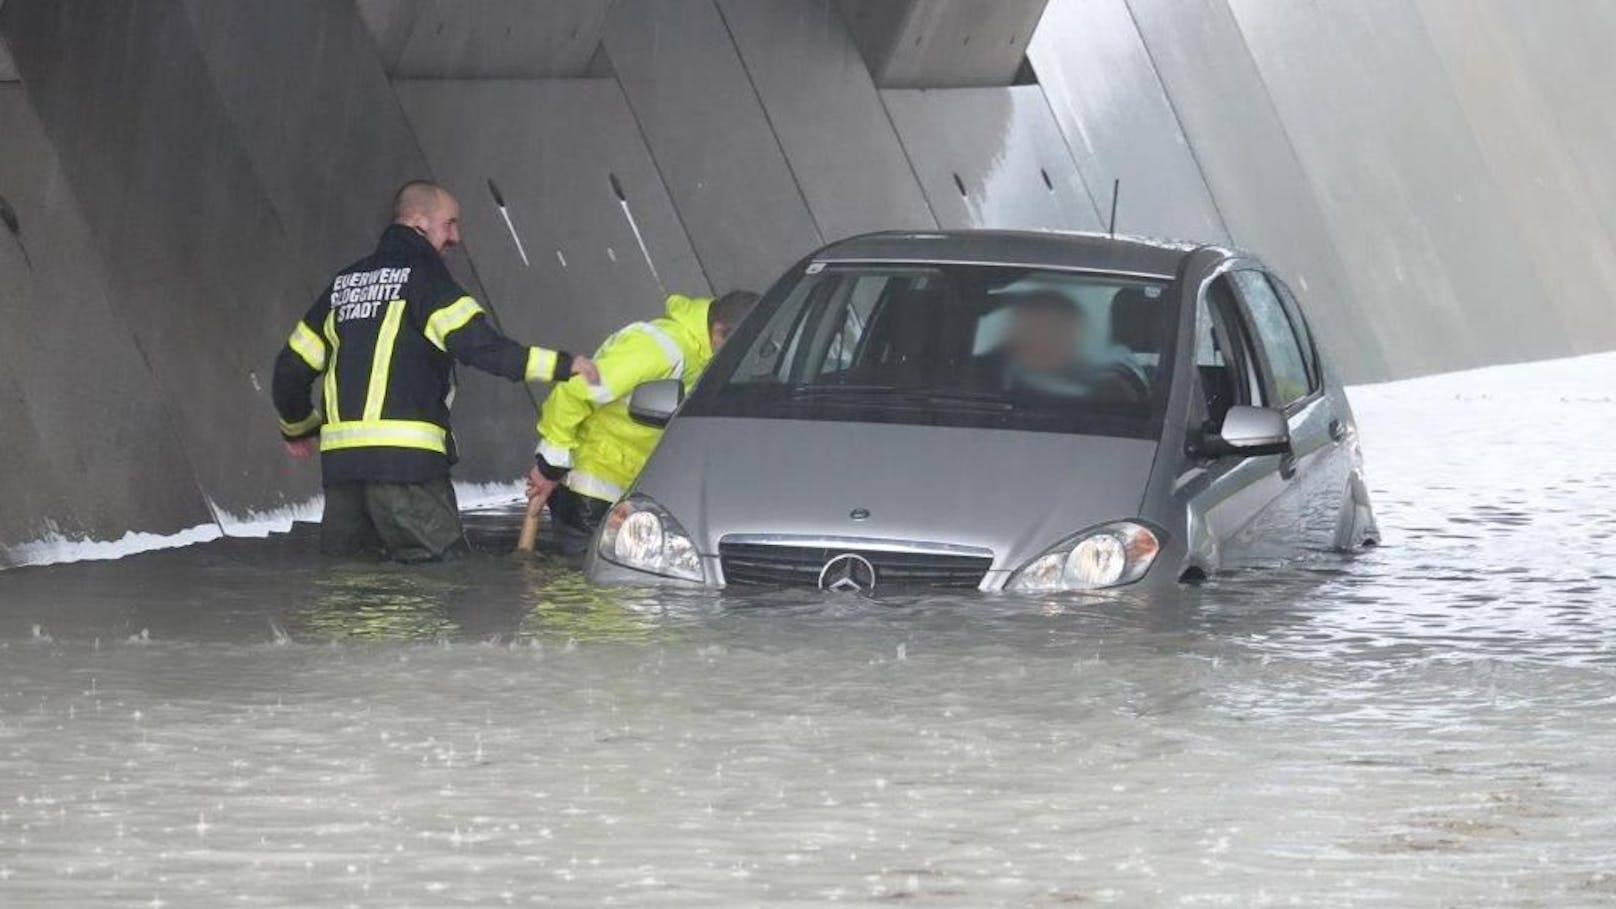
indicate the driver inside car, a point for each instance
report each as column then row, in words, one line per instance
column 1045, row 354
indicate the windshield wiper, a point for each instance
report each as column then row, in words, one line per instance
column 818, row 391
column 906, row 396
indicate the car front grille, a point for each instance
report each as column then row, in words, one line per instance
column 801, row 565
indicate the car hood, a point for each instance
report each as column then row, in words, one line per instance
column 1014, row 493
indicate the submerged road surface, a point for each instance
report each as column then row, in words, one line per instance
column 1431, row 724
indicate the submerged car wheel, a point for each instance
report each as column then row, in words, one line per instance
column 1356, row 528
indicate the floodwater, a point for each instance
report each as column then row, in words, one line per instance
column 1429, row 724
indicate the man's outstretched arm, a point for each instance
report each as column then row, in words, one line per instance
column 462, row 329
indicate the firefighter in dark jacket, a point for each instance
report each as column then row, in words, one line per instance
column 384, row 335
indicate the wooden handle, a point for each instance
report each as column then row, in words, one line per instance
column 529, row 540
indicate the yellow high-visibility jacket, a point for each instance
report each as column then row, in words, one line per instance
column 586, row 431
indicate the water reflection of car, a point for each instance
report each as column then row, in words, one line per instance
column 998, row 410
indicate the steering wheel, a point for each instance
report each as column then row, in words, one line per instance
column 1131, row 386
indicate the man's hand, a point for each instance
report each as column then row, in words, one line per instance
column 583, row 366
column 538, row 489
column 538, row 492
column 302, row 449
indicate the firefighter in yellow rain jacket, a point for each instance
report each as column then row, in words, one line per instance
column 590, row 449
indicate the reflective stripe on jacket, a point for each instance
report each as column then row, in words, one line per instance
column 587, row 428
column 385, row 335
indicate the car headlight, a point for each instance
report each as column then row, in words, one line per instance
column 1108, row 556
column 639, row 534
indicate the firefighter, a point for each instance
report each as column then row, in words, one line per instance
column 385, row 334
column 590, row 449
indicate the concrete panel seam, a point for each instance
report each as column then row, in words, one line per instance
column 1310, row 178
column 908, row 158
column 886, row 110
column 1178, row 119
column 891, row 50
column 54, row 201
column 662, row 175
column 409, row 32
column 1279, row 118
column 751, row 83
column 164, row 401
column 481, row 290
column 1071, row 153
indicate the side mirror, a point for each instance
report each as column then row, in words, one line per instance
column 1250, row 432
column 654, row 403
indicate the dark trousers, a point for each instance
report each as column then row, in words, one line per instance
column 406, row 522
column 576, row 518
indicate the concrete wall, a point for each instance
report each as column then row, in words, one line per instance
column 196, row 260
column 1431, row 177
column 555, row 147
column 1413, row 206
column 991, row 157
column 943, row 43
column 1119, row 122
column 836, row 135
column 1546, row 142
column 493, row 39
column 711, row 138
column 96, row 455
column 1257, row 185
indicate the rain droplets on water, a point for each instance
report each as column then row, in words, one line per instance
column 1433, row 723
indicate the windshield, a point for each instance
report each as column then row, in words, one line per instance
column 957, row 345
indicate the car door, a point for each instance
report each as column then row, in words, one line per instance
column 1291, row 383
column 1237, row 507
column 1328, row 480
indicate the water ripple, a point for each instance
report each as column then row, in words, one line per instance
column 1430, row 723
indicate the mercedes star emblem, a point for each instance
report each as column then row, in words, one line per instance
column 848, row 573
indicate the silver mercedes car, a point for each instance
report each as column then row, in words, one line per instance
column 998, row 411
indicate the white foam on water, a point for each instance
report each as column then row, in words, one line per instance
column 489, row 495
column 259, row 524
column 54, row 547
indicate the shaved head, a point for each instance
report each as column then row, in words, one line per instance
column 417, row 197
column 430, row 210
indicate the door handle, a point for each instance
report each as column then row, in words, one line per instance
column 1338, row 430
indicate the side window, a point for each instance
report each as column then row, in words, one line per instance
column 1289, row 379
column 844, row 344
column 771, row 356
column 1208, row 349
column 1222, row 357
column 1310, row 350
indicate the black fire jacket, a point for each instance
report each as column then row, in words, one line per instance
column 385, row 335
